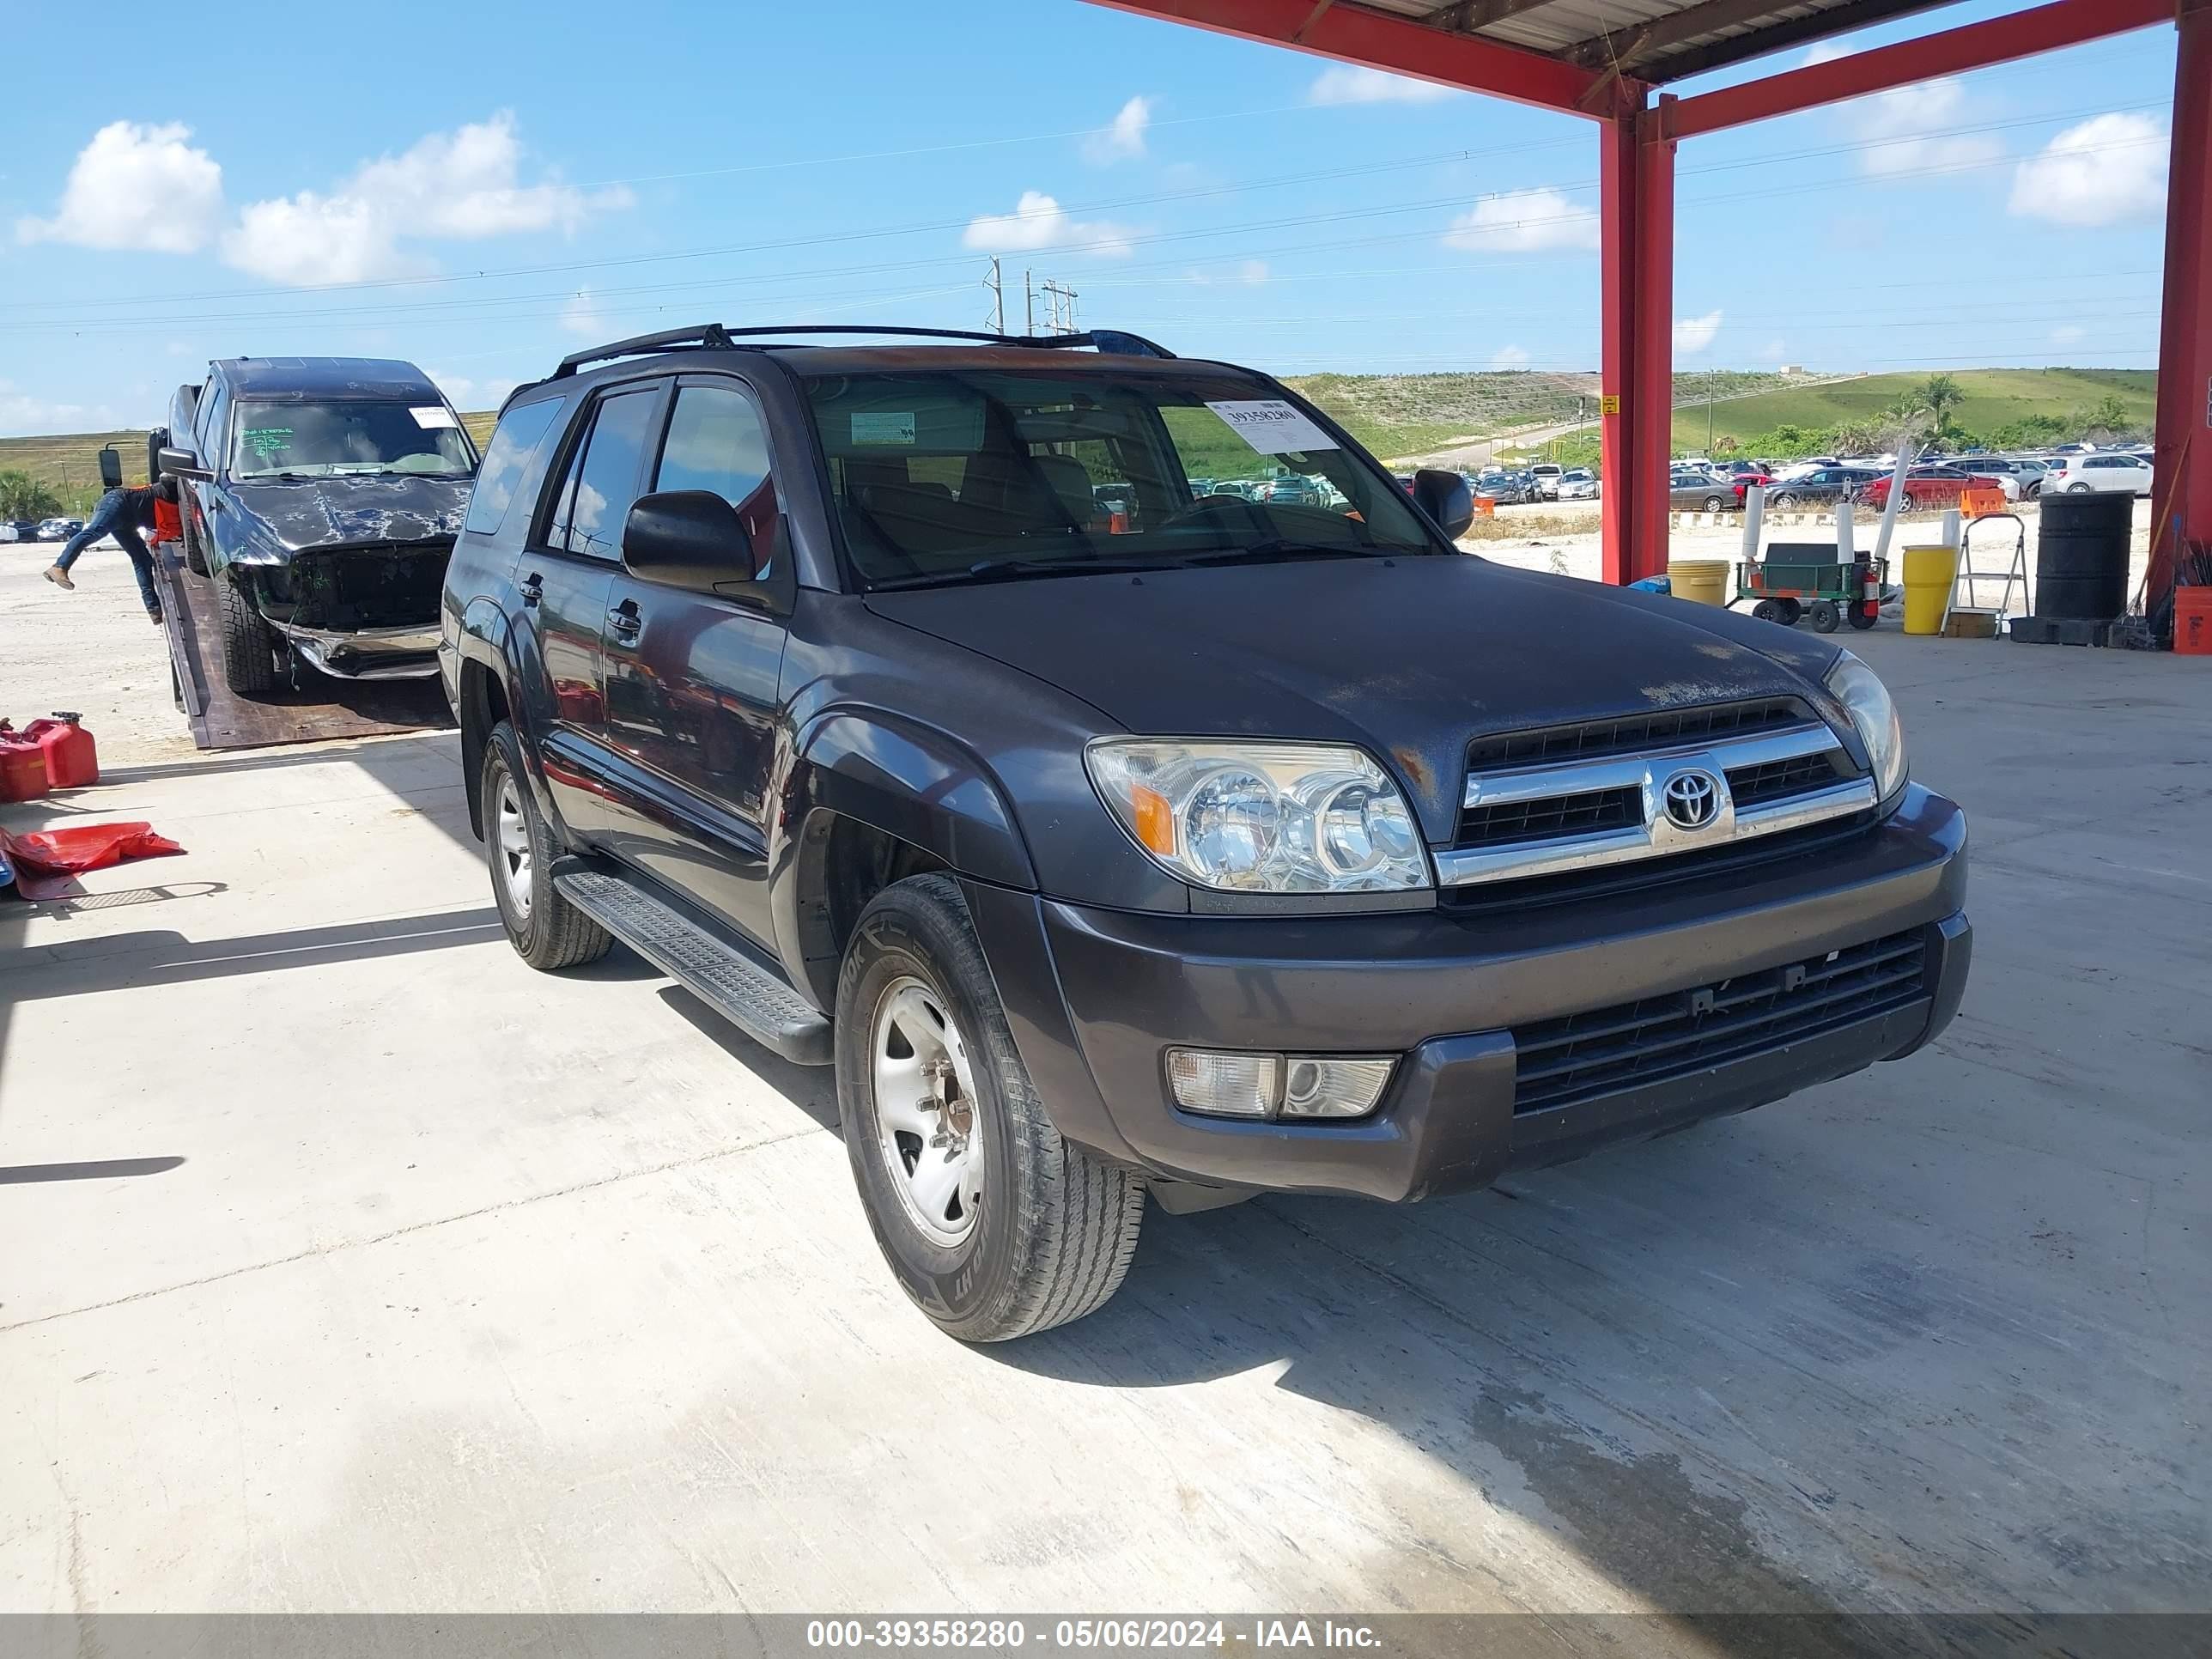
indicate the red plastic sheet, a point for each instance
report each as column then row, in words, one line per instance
column 44, row 859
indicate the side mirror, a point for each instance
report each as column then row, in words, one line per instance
column 182, row 464
column 111, row 468
column 687, row 538
column 1443, row 496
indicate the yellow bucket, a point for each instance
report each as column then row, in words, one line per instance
column 1929, row 574
column 1703, row 581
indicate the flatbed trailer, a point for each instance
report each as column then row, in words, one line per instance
column 313, row 708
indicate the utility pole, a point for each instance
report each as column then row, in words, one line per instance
column 1063, row 306
column 998, row 299
column 1029, row 305
column 1709, row 413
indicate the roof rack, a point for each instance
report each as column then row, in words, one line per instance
column 713, row 336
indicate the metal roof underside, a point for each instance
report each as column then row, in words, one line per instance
column 1651, row 40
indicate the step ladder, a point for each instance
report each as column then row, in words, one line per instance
column 2016, row 573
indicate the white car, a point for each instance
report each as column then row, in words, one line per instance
column 1578, row 483
column 2108, row 469
column 1547, row 480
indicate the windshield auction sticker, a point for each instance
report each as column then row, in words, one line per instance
column 431, row 416
column 1271, row 426
column 874, row 426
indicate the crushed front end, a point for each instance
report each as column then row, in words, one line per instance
column 367, row 613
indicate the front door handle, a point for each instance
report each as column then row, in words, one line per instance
column 533, row 588
column 624, row 622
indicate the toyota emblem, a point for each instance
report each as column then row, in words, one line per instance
column 1692, row 800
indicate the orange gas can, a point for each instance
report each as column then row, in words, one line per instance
column 2192, row 622
column 72, row 758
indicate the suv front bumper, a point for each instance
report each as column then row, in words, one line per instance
column 1096, row 998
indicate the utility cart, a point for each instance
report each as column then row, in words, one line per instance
column 1808, row 580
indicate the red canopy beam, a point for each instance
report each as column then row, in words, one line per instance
column 1377, row 39
column 1953, row 52
column 2181, row 468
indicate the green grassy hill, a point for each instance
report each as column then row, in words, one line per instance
column 1994, row 398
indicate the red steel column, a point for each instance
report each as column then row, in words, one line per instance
column 2181, row 486
column 1616, row 202
column 1652, row 378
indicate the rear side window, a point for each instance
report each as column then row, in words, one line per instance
column 513, row 445
column 596, row 496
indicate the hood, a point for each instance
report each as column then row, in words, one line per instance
column 287, row 518
column 1411, row 659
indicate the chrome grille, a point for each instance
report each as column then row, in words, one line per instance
column 1562, row 1062
column 1778, row 779
column 1668, row 729
column 1542, row 820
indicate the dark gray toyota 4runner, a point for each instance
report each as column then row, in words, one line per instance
column 1112, row 834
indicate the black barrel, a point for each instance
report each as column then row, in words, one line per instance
column 2082, row 555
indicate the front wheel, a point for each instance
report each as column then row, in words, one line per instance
column 546, row 931
column 1826, row 617
column 1785, row 501
column 1714, row 503
column 249, row 655
column 994, row 1225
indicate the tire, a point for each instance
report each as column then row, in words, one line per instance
column 1772, row 610
column 1039, row 1232
column 1715, row 504
column 1826, row 618
column 1862, row 618
column 1790, row 612
column 2077, row 489
column 1784, row 502
column 195, row 555
column 249, row 658
column 1908, row 503
column 546, row 931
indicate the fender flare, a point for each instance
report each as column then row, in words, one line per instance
column 484, row 640
column 898, row 776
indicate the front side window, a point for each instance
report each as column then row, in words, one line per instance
column 716, row 442
column 970, row 474
column 347, row 437
column 520, row 431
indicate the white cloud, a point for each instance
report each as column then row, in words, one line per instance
column 2067, row 333
column 1524, row 222
column 1510, row 356
column 580, row 316
column 2109, row 169
column 1344, row 84
column 1039, row 222
column 1693, row 334
column 1825, row 51
column 1252, row 273
column 140, row 188
column 22, row 415
column 1912, row 129
column 469, row 395
column 463, row 185
column 1123, row 137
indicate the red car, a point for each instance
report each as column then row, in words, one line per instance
column 1743, row 481
column 1927, row 486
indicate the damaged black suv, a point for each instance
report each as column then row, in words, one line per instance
column 321, row 495
column 1137, row 796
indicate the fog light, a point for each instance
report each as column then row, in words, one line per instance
column 1277, row 1085
column 1225, row 1086
column 1320, row 1087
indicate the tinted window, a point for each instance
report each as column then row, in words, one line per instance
column 716, row 443
column 214, row 411
column 521, row 432
column 596, row 496
column 348, row 437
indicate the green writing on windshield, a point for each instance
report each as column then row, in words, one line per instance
column 266, row 440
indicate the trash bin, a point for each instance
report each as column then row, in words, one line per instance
column 1703, row 581
column 1928, row 574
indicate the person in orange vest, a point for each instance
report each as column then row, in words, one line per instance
column 123, row 514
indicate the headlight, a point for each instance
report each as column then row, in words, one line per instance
column 1262, row 817
column 1867, row 699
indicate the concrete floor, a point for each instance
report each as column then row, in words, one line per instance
column 381, row 1272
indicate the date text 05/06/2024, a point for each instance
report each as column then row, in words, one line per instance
column 1131, row 1634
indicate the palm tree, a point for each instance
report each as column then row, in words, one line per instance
column 22, row 496
column 1941, row 394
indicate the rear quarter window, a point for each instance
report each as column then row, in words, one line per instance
column 514, row 444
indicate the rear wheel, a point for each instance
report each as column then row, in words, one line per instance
column 1786, row 499
column 1826, row 618
column 546, row 931
column 2077, row 489
column 1864, row 617
column 994, row 1225
column 1772, row 610
column 249, row 655
column 1715, row 504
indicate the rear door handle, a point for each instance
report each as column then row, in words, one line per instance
column 533, row 588
column 624, row 622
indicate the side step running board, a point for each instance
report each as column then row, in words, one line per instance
column 728, row 980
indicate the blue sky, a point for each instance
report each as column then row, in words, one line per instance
column 480, row 193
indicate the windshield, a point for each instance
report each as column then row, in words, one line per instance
column 346, row 439
column 968, row 475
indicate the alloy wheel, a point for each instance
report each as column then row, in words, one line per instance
column 925, row 1118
